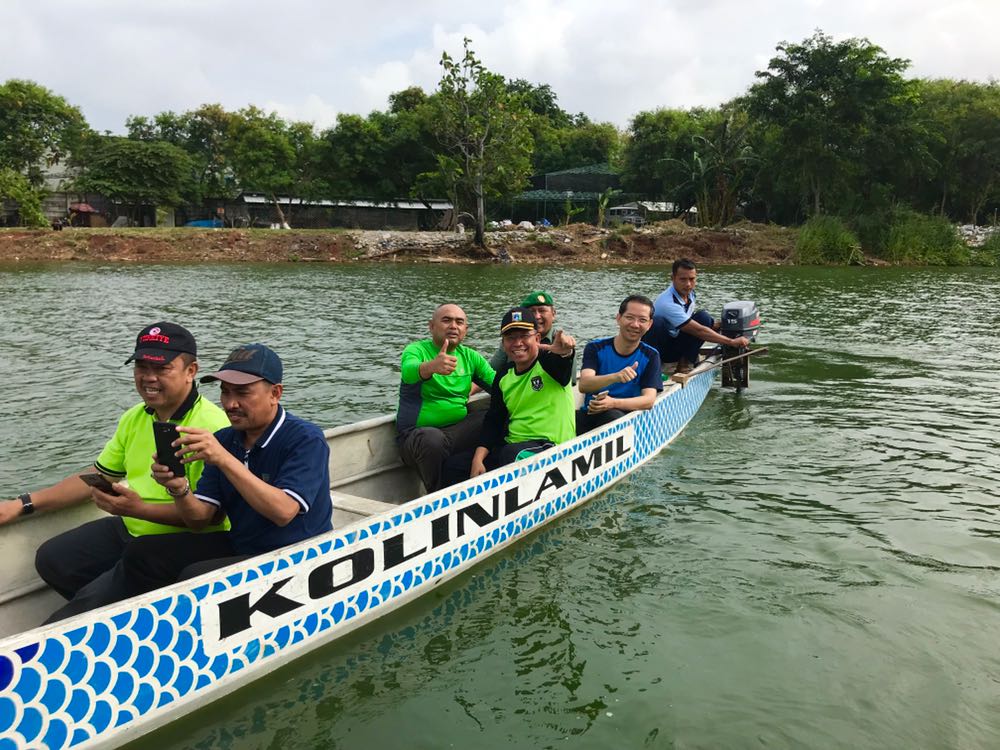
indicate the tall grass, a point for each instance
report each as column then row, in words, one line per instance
column 826, row 240
column 988, row 254
column 918, row 239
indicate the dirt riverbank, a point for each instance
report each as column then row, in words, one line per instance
column 577, row 244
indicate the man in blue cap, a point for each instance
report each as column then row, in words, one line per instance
column 268, row 473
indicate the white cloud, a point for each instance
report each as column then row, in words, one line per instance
column 309, row 60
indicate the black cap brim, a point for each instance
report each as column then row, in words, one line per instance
column 157, row 356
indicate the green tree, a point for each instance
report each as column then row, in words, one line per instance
column 278, row 159
column 840, row 118
column 720, row 170
column 15, row 186
column 37, row 127
column 962, row 119
column 484, row 128
column 135, row 173
column 204, row 134
column 658, row 156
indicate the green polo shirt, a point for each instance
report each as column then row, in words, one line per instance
column 534, row 405
column 440, row 400
column 128, row 455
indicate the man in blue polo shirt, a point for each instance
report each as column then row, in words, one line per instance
column 620, row 373
column 268, row 473
column 678, row 328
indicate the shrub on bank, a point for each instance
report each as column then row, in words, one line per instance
column 988, row 254
column 826, row 239
column 918, row 239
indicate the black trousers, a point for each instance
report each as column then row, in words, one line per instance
column 159, row 560
column 681, row 346
column 458, row 467
column 586, row 422
column 100, row 563
column 427, row 448
column 84, row 566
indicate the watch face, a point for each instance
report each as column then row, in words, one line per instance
column 27, row 507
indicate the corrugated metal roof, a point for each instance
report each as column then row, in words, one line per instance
column 588, row 169
column 556, row 195
column 435, row 204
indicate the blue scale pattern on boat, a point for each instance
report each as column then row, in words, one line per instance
column 100, row 638
column 124, row 687
column 55, row 694
column 29, row 685
column 6, row 672
column 100, row 719
column 125, row 655
column 8, row 710
column 56, row 734
column 79, row 704
column 30, row 725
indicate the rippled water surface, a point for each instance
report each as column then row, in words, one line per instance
column 812, row 564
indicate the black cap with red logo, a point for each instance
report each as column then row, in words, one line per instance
column 161, row 342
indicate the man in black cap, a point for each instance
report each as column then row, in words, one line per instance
column 85, row 564
column 268, row 474
column 544, row 309
column 531, row 400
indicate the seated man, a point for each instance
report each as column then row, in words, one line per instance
column 269, row 474
column 433, row 421
column 85, row 564
column 678, row 329
column 622, row 370
column 542, row 306
column 531, row 400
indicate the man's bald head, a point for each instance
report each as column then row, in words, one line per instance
column 448, row 322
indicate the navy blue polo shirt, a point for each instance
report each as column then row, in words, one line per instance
column 601, row 357
column 291, row 455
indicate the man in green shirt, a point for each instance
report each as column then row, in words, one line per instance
column 541, row 304
column 433, row 421
column 85, row 564
column 531, row 401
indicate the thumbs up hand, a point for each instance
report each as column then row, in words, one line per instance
column 629, row 373
column 443, row 363
column 563, row 344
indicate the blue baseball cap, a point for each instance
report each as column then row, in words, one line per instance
column 248, row 364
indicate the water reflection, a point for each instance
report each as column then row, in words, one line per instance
column 811, row 564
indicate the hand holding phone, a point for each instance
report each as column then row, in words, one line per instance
column 165, row 434
column 98, row 481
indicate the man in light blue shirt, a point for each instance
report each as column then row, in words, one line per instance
column 678, row 328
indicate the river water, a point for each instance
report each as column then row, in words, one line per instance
column 812, row 564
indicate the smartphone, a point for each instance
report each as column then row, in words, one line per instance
column 99, row 481
column 165, row 433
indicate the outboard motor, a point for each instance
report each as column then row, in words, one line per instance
column 738, row 319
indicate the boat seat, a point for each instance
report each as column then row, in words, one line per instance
column 361, row 506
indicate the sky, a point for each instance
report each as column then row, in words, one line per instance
column 312, row 60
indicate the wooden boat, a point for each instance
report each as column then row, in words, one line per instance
column 108, row 676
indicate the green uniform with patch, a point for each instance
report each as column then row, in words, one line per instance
column 128, row 455
column 534, row 405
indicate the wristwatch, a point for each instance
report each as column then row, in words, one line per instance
column 27, row 507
